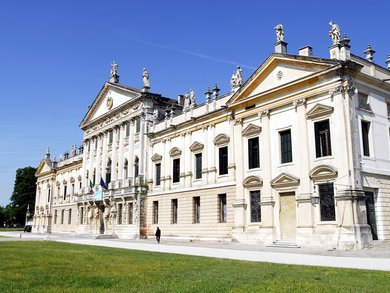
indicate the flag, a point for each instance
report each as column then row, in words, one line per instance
column 90, row 186
column 103, row 184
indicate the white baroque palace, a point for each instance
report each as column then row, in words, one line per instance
column 299, row 153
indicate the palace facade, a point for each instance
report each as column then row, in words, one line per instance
column 297, row 154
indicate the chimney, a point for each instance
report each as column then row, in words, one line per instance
column 306, row 51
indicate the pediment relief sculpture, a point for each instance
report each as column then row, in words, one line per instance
column 175, row 152
column 71, row 180
column 251, row 129
column 284, row 180
column 221, row 139
column 252, row 181
column 319, row 110
column 322, row 172
column 196, row 146
column 64, row 181
column 156, row 157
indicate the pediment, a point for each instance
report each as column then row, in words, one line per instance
column 156, row 157
column 319, row 110
column 221, row 139
column 252, row 181
column 277, row 71
column 251, row 129
column 196, row 146
column 284, row 180
column 322, row 172
column 110, row 98
column 175, row 152
column 44, row 167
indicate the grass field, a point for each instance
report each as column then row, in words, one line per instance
column 11, row 229
column 45, row 266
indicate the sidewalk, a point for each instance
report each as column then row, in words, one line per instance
column 375, row 258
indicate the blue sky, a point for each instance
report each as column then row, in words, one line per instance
column 56, row 56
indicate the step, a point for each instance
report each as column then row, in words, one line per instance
column 284, row 244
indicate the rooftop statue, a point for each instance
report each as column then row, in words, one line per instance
column 236, row 81
column 114, row 69
column 279, row 33
column 145, row 78
column 334, row 33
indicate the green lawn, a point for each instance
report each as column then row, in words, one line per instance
column 11, row 229
column 45, row 266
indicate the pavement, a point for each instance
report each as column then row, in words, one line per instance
column 375, row 257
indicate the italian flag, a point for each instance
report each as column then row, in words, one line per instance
column 90, row 186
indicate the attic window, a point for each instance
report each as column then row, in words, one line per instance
column 364, row 102
column 250, row 107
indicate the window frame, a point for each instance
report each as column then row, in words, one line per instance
column 286, row 154
column 196, row 209
column 155, row 212
column 223, row 161
column 318, row 134
column 174, row 209
column 253, row 152
column 198, row 168
column 175, row 170
column 222, row 208
column 255, row 218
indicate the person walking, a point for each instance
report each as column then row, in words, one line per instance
column 158, row 234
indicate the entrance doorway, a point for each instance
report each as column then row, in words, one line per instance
column 287, row 216
column 371, row 219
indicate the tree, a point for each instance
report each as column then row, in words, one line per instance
column 2, row 216
column 22, row 196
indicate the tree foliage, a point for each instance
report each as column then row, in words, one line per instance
column 22, row 196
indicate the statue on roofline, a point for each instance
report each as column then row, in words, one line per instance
column 279, row 33
column 334, row 33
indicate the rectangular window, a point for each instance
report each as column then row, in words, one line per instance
column 388, row 110
column 223, row 160
column 128, row 129
column 253, row 153
column 222, row 208
column 364, row 101
column 322, row 137
column 48, row 195
column 65, row 187
column 158, row 174
column 55, row 216
column 176, row 171
column 365, row 138
column 120, row 214
column 70, row 216
column 196, row 209
column 130, row 216
column 285, row 146
column 327, row 206
column 174, row 210
column 89, row 146
column 72, row 188
column 155, row 212
column 96, row 143
column 62, row 216
column 137, row 124
column 81, row 215
column 255, row 206
column 110, row 136
column 198, row 166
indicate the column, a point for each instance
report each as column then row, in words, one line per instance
column 120, row 150
column 130, row 157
